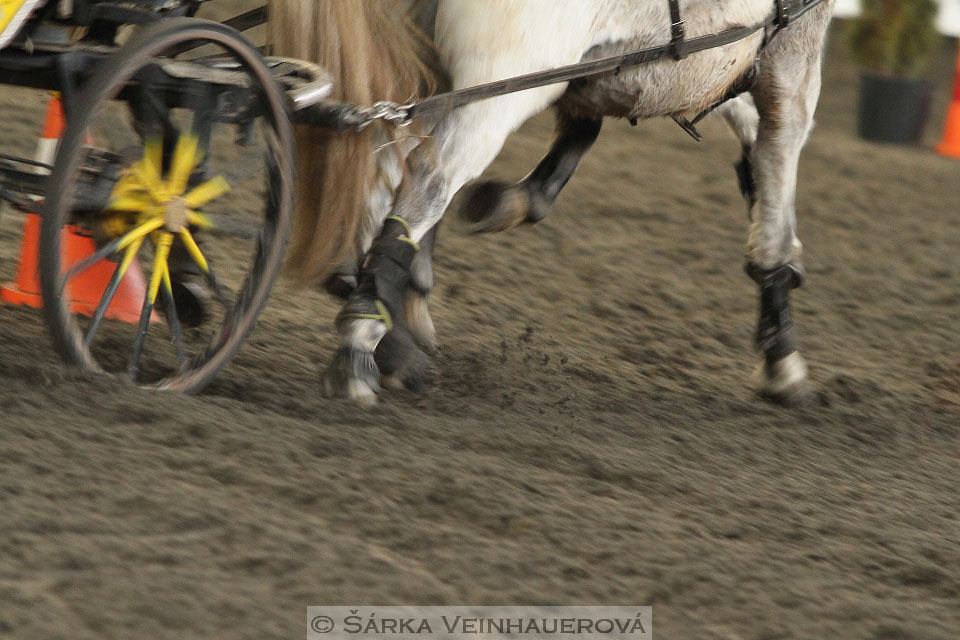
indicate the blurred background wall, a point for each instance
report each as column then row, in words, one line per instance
column 948, row 21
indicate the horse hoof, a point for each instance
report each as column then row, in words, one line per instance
column 785, row 381
column 392, row 381
column 361, row 393
column 402, row 365
column 493, row 206
column 410, row 381
column 353, row 374
column 412, row 378
column 355, row 390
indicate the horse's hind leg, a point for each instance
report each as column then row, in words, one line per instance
column 786, row 95
column 496, row 206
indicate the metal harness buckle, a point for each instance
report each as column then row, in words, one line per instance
column 678, row 32
column 396, row 114
column 783, row 13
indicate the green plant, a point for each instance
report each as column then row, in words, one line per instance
column 894, row 37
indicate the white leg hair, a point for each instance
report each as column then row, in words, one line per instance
column 786, row 110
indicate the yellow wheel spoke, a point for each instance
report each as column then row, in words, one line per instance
column 129, row 254
column 200, row 220
column 185, row 159
column 161, row 253
column 152, row 166
column 130, row 184
column 167, row 284
column 115, row 225
column 140, row 232
column 131, row 202
column 194, row 250
column 204, row 193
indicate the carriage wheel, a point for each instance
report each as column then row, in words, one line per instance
column 162, row 165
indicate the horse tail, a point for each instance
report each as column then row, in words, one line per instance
column 375, row 52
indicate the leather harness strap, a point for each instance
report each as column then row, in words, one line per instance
column 783, row 13
column 677, row 32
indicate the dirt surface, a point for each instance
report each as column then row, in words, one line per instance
column 589, row 436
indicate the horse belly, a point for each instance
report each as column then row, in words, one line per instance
column 663, row 88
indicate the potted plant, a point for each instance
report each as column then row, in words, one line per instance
column 893, row 42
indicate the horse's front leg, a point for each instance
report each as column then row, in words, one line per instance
column 786, row 95
column 399, row 357
column 373, row 328
column 385, row 321
column 386, row 314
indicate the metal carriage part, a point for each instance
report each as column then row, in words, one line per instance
column 222, row 79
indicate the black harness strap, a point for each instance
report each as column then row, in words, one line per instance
column 677, row 32
column 783, row 14
column 782, row 18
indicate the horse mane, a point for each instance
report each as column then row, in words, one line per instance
column 375, row 52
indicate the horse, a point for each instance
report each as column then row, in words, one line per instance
column 369, row 202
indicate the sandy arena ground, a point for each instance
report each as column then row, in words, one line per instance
column 589, row 435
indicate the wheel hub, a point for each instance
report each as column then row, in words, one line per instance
column 143, row 190
column 175, row 215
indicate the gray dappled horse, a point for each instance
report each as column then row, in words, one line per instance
column 370, row 201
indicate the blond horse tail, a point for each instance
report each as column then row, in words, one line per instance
column 375, row 52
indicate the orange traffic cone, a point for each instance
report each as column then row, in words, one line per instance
column 950, row 145
column 86, row 288
column 53, row 126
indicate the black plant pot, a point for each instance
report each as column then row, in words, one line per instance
column 893, row 109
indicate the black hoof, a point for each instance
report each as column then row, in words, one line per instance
column 493, row 206
column 401, row 363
